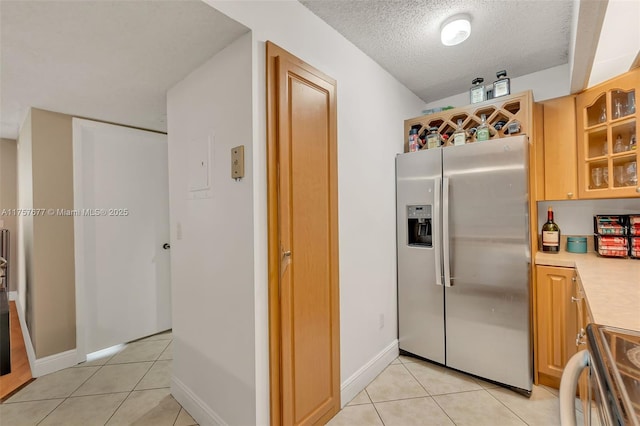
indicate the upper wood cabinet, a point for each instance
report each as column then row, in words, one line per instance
column 560, row 167
column 607, row 127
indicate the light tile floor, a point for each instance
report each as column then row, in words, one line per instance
column 128, row 388
column 411, row 392
column 132, row 388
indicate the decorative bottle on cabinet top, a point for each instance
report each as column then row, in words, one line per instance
column 502, row 86
column 433, row 138
column 477, row 93
column 550, row 234
column 413, row 140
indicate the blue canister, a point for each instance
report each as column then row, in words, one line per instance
column 577, row 244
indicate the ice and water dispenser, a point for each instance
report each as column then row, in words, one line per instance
column 419, row 226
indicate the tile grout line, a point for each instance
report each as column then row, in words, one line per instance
column 508, row 408
column 416, row 379
column 75, row 390
column 63, row 399
column 135, row 362
column 431, row 396
column 178, row 414
column 179, row 411
column 54, row 409
column 374, row 407
column 444, row 411
column 131, row 391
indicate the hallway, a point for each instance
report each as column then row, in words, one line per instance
column 130, row 387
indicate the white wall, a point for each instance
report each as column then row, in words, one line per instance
column 212, row 260
column 372, row 107
column 619, row 42
column 25, row 223
column 575, row 217
column 546, row 84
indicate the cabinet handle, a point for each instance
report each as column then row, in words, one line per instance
column 575, row 299
column 579, row 339
column 638, row 189
column 569, row 194
column 573, row 279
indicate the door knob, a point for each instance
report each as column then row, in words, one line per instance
column 166, row 246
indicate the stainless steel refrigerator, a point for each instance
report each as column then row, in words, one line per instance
column 464, row 258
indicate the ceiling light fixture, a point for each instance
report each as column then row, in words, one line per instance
column 455, row 30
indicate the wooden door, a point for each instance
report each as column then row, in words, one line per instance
column 556, row 322
column 303, row 241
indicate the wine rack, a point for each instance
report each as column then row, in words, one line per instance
column 503, row 116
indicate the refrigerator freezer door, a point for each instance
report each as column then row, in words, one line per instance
column 487, row 307
column 420, row 298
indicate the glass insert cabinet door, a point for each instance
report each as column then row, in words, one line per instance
column 607, row 130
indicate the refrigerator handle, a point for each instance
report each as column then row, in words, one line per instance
column 445, row 232
column 437, row 229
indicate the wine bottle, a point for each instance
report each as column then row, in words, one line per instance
column 550, row 234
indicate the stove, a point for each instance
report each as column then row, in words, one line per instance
column 615, row 373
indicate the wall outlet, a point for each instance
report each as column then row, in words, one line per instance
column 381, row 321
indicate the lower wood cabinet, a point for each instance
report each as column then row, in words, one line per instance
column 556, row 322
column 584, row 318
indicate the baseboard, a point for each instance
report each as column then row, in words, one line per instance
column 31, row 354
column 41, row 366
column 53, row 363
column 13, row 296
column 198, row 409
column 365, row 375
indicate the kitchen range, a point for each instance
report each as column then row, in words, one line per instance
column 613, row 361
column 464, row 258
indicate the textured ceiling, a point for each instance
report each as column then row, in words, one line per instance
column 403, row 36
column 108, row 60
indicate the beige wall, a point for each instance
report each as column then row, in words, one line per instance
column 49, row 247
column 9, row 200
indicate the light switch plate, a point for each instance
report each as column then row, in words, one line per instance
column 199, row 158
column 237, row 162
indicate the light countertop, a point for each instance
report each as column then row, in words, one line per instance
column 611, row 285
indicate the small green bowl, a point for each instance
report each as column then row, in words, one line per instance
column 577, row 244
